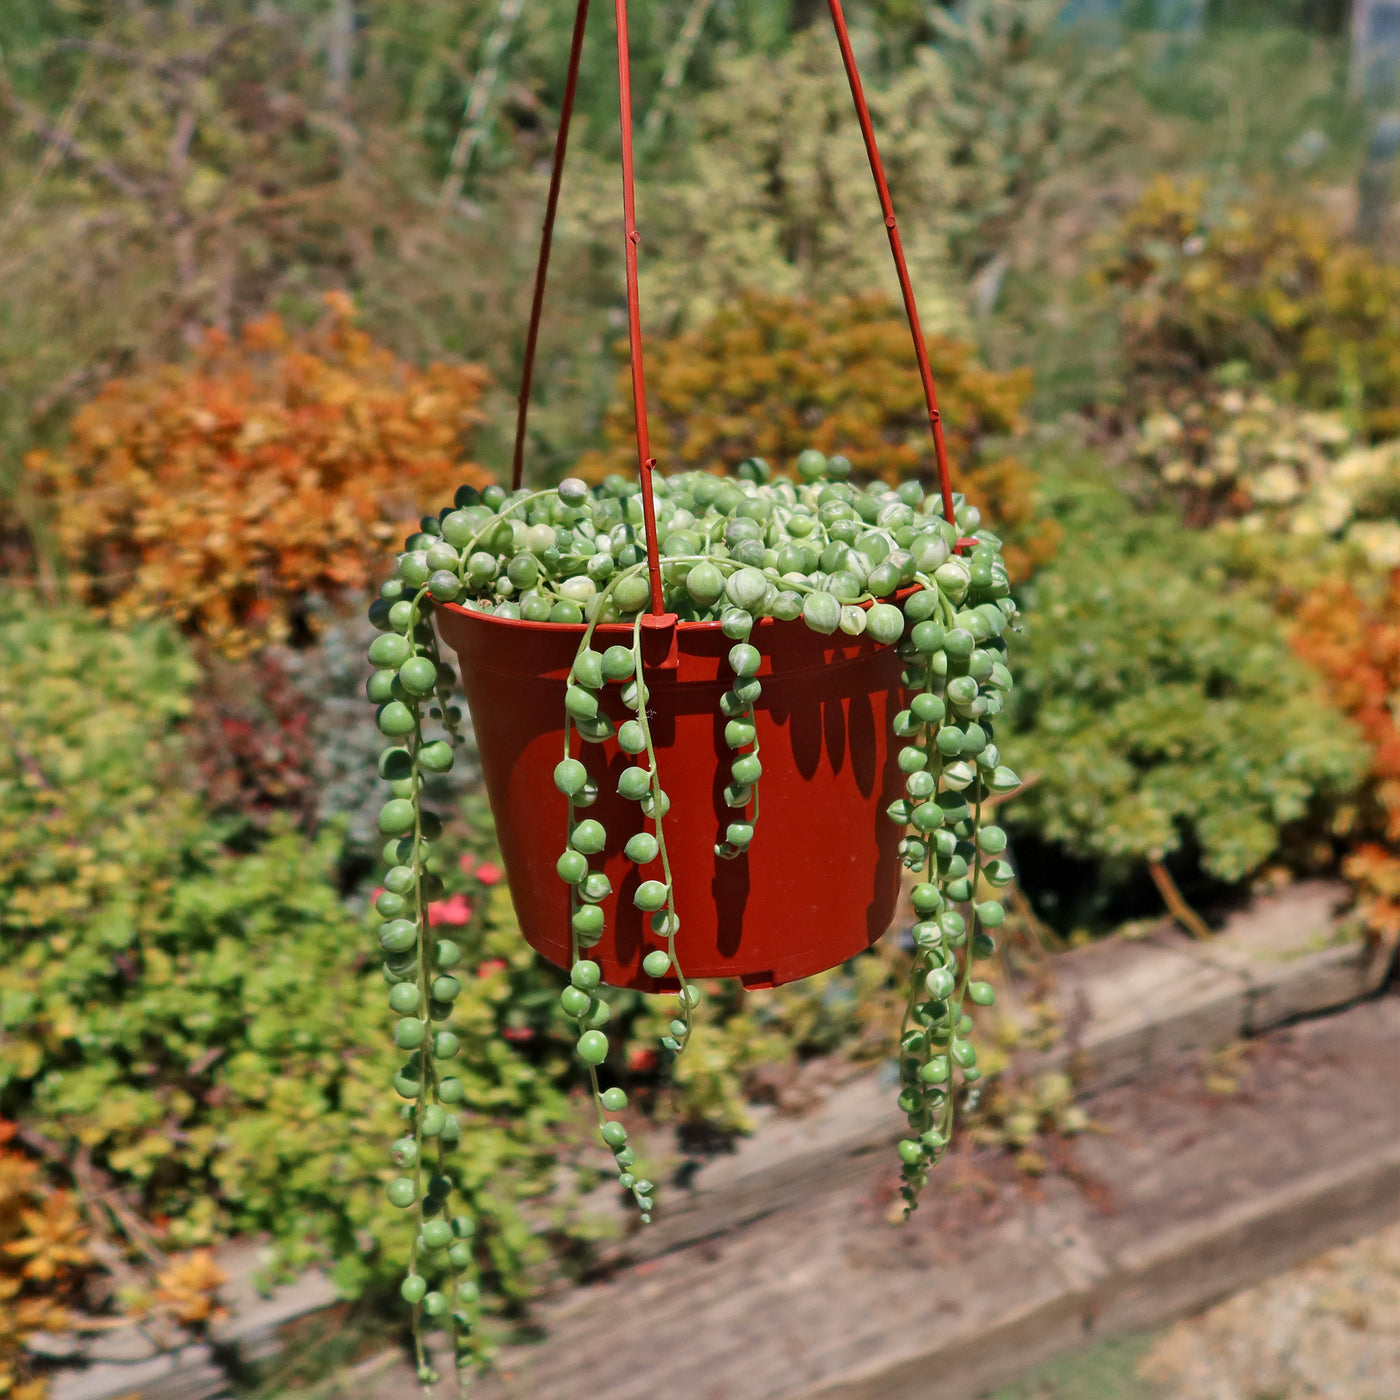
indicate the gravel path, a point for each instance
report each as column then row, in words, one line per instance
column 1328, row 1329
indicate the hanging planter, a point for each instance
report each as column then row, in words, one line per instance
column 715, row 716
column 791, row 906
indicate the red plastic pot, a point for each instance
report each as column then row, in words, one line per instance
column 820, row 880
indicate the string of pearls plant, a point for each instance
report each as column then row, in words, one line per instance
column 874, row 560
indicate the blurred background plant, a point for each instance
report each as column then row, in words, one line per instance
column 1236, row 453
column 1160, row 710
column 1351, row 635
column 1261, row 282
column 43, row 1252
column 227, row 494
column 265, row 276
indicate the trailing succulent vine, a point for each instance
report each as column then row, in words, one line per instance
column 875, row 560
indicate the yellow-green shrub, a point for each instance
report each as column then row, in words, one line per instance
column 1262, row 282
column 202, row 1021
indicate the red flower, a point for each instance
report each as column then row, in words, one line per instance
column 518, row 1033
column 454, row 911
column 641, row 1058
column 375, row 893
column 491, row 965
column 489, row 873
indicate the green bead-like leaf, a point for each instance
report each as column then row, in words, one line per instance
column 588, row 836
column 436, row 756
column 588, row 669
column 395, row 719
column 580, row 703
column 821, row 612
column 650, row 894
column 618, row 663
column 389, row 650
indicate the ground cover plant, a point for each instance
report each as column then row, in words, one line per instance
column 185, row 1017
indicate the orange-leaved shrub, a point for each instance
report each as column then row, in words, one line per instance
column 1355, row 642
column 226, row 492
column 769, row 376
column 43, row 1259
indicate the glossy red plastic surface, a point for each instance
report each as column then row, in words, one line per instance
column 820, row 880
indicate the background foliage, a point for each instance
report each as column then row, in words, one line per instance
column 43, row 1251
column 1157, row 703
column 192, row 1020
column 1262, row 282
column 1352, row 636
column 1235, row 453
column 187, row 838
column 226, row 493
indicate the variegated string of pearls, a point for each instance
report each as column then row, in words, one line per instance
column 956, row 667
column 879, row 561
column 420, row 968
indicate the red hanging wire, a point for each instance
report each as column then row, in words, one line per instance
column 906, row 287
column 645, row 461
column 556, row 176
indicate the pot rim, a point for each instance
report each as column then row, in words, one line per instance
column 664, row 619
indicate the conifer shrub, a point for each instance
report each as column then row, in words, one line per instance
column 1159, row 706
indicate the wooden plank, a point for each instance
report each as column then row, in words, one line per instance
column 1194, row 1196
column 1125, row 1005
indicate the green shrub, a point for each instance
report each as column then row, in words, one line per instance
column 1158, row 704
column 201, row 1021
column 775, row 192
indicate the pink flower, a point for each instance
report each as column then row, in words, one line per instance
column 375, row 893
column 454, row 911
column 490, row 873
column 467, row 862
column 491, row 965
column 518, row 1033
